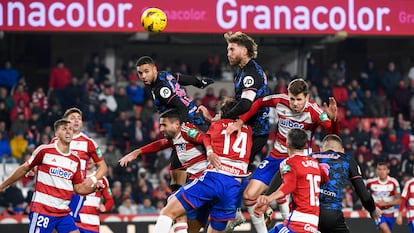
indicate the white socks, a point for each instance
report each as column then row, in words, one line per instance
column 163, row 224
column 180, row 227
column 284, row 209
column 258, row 222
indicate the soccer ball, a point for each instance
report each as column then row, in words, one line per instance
column 154, row 20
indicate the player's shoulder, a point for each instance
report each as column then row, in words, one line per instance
column 372, row 180
column 311, row 106
column 190, row 130
column 393, row 180
column 281, row 97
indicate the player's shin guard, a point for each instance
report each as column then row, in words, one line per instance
column 258, row 222
column 283, row 205
column 163, row 224
column 180, row 227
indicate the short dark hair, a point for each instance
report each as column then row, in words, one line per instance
column 332, row 137
column 298, row 86
column 59, row 123
column 297, row 138
column 145, row 60
column 70, row 111
column 172, row 114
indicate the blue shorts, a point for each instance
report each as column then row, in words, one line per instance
column 201, row 214
column 76, row 205
column 81, row 230
column 384, row 219
column 411, row 226
column 267, row 169
column 280, row 228
column 219, row 191
column 40, row 223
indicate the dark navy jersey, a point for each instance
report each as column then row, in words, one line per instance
column 342, row 169
column 168, row 93
column 252, row 77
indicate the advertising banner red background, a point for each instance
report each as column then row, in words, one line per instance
column 362, row 17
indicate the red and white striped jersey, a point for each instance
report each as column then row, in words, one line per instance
column 85, row 148
column 233, row 150
column 57, row 172
column 407, row 199
column 189, row 146
column 309, row 119
column 384, row 190
column 89, row 214
column 302, row 177
column 190, row 150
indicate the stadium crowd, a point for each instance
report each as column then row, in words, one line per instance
column 121, row 114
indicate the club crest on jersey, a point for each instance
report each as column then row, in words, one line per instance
column 165, row 92
column 248, row 81
column 285, row 168
column 181, row 148
column 99, row 152
column 324, row 116
column 59, row 172
column 192, row 133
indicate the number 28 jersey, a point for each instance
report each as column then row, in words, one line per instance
column 233, row 149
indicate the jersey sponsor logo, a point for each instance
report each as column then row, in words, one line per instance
column 192, row 133
column 165, row 92
column 328, row 193
column 289, row 124
column 99, row 152
column 285, row 168
column 59, row 172
column 310, row 228
column 324, row 117
column 248, row 81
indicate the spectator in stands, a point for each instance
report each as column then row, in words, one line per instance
column 18, row 145
column 378, row 153
column 370, row 104
column 395, row 168
column 5, row 150
column 326, row 90
column 147, row 110
column 162, row 191
column 407, row 165
column 75, row 95
column 97, row 69
column 60, row 78
column 355, row 105
column 146, row 207
column 370, row 78
column 109, row 98
column 105, row 118
column 211, row 67
column 143, row 187
column 40, row 100
column 340, row 93
column 22, row 108
column 122, row 132
column 123, row 101
column 117, row 195
column 390, row 79
column 314, row 72
column 135, row 92
column 21, row 93
column 281, row 86
column 392, row 146
column 19, row 125
column 314, row 95
column 35, row 127
column 409, row 151
column 128, row 206
column 209, row 100
column 283, row 73
column 335, row 74
column 138, row 135
column 4, row 114
column 112, row 154
column 15, row 199
column 9, row 76
column 8, row 100
column 360, row 136
column 401, row 99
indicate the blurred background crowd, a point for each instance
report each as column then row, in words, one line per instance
column 376, row 111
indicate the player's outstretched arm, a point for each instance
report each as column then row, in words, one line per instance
column 205, row 113
column 236, row 126
column 17, row 174
column 130, row 157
